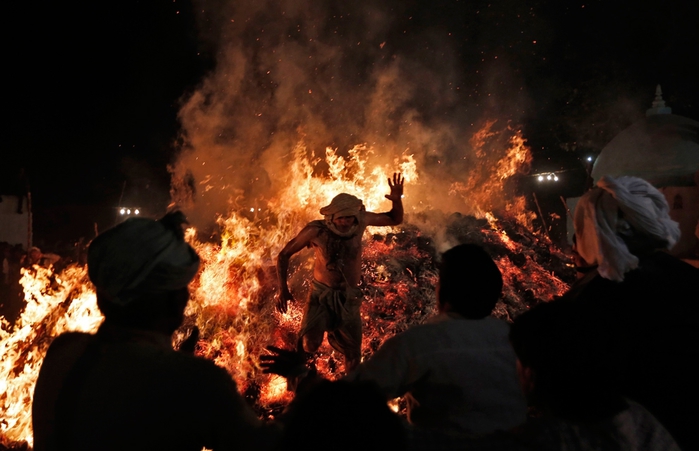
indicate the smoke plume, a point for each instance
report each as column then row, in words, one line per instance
column 338, row 74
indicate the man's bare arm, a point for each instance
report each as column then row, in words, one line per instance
column 395, row 216
column 297, row 243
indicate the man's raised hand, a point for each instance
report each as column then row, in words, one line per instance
column 396, row 186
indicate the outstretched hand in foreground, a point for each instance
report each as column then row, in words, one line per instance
column 284, row 362
column 293, row 365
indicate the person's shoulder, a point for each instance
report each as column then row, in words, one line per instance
column 480, row 331
column 595, row 291
column 309, row 232
column 668, row 266
column 66, row 348
column 63, row 352
column 189, row 364
column 317, row 226
column 456, row 321
column 493, row 323
column 197, row 373
column 646, row 427
column 417, row 332
column 406, row 338
column 662, row 274
column 68, row 342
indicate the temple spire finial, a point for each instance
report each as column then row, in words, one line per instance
column 658, row 105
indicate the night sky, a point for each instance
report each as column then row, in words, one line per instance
column 94, row 88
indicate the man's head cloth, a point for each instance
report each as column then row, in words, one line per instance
column 619, row 208
column 141, row 256
column 343, row 205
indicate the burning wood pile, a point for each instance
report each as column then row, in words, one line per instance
column 399, row 276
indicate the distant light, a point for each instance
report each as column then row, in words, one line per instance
column 252, row 210
column 541, row 178
column 128, row 211
column 259, row 209
column 136, row 211
column 589, row 158
column 548, row 177
column 555, row 178
column 122, row 211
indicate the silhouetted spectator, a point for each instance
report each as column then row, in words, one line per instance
column 575, row 408
column 125, row 387
column 34, row 256
column 457, row 371
column 640, row 302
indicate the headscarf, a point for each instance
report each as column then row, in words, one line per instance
column 139, row 256
column 343, row 205
column 617, row 208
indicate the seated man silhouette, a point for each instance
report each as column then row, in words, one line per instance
column 125, row 387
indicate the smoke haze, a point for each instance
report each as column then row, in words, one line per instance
column 338, row 74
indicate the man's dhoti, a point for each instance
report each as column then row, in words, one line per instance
column 335, row 311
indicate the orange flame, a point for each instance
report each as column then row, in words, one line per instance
column 485, row 188
column 54, row 304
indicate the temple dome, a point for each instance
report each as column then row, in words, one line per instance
column 662, row 148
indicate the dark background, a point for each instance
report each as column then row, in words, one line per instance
column 93, row 89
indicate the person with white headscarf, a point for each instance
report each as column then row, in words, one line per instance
column 620, row 220
column 125, row 387
column 636, row 308
column 334, row 302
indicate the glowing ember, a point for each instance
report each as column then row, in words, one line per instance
column 233, row 296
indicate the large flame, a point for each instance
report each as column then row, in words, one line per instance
column 233, row 296
column 54, row 304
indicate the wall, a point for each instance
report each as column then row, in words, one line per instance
column 14, row 227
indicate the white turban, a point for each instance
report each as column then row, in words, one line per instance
column 343, row 205
column 618, row 207
column 141, row 255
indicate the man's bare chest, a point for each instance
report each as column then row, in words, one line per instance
column 334, row 249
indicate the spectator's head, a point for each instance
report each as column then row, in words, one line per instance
column 34, row 255
column 141, row 269
column 557, row 371
column 342, row 415
column 619, row 220
column 470, row 282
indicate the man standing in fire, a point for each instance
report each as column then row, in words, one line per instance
column 334, row 302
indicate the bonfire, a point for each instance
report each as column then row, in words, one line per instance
column 232, row 298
